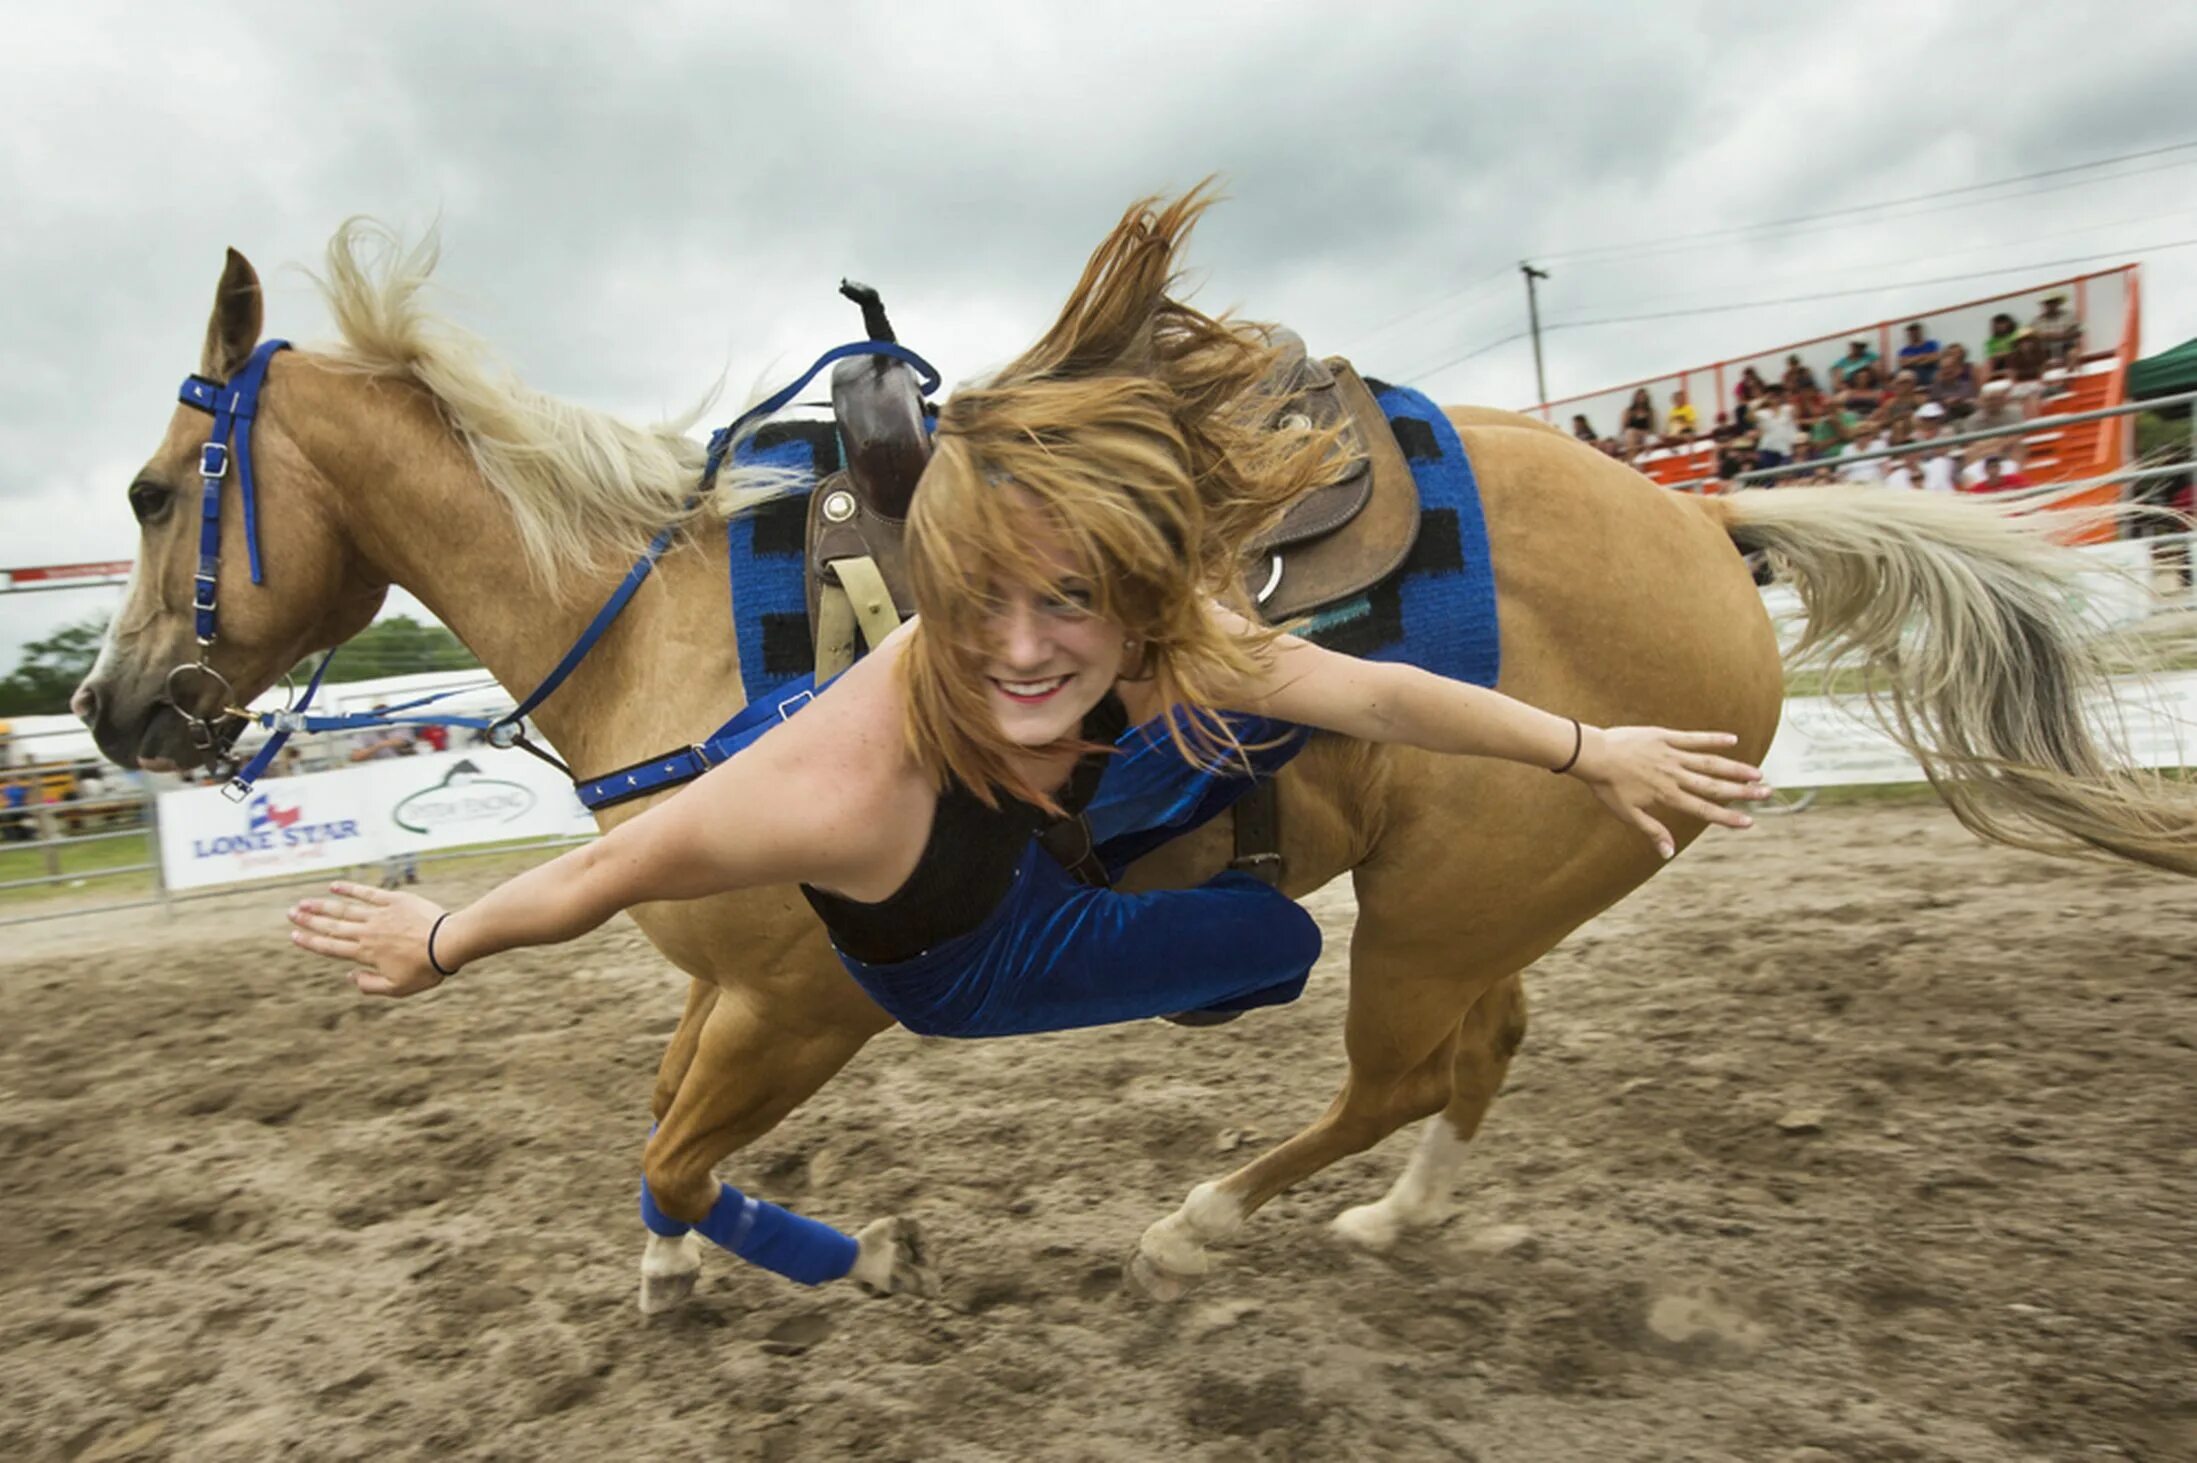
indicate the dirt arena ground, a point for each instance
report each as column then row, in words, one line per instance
column 1845, row 1139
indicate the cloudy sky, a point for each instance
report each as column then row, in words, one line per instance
column 635, row 198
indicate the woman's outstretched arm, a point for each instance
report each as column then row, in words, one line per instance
column 1631, row 769
column 802, row 805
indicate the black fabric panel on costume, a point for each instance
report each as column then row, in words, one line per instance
column 822, row 437
column 786, row 648
column 782, row 528
column 1416, row 438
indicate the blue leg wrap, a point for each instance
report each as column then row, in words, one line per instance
column 657, row 1220
column 762, row 1234
column 775, row 1239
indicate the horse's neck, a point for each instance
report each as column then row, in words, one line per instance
column 664, row 675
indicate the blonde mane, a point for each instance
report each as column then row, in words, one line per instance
column 587, row 490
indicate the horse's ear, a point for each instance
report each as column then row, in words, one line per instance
column 234, row 329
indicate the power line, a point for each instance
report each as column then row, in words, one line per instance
column 1780, row 223
column 1896, row 263
column 1421, row 311
column 1868, row 289
column 1477, row 351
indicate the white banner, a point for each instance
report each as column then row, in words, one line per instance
column 353, row 815
column 1825, row 744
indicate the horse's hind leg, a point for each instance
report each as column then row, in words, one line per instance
column 1401, row 1037
column 1486, row 1040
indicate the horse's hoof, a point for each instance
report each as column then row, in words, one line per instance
column 669, row 1269
column 892, row 1259
column 1144, row 1278
column 661, row 1293
column 1368, row 1226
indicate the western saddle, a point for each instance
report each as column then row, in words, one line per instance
column 1336, row 541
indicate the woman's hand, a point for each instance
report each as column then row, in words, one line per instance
column 379, row 931
column 1635, row 768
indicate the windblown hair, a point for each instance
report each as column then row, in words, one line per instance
column 586, row 490
column 1137, row 434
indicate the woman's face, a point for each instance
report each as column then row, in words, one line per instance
column 1052, row 659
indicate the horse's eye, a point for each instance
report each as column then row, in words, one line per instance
column 149, row 500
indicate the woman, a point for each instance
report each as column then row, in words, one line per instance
column 1638, row 425
column 1864, row 391
column 1751, row 386
column 1798, row 379
column 1957, row 383
column 1583, row 429
column 2004, row 332
column 1079, row 519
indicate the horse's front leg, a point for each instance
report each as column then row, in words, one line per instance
column 756, row 1057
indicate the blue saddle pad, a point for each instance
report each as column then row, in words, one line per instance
column 1437, row 611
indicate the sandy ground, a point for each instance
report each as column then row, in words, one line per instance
column 1845, row 1139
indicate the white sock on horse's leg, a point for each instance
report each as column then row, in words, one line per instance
column 1420, row 1196
column 1172, row 1254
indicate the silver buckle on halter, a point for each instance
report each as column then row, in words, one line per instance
column 213, row 460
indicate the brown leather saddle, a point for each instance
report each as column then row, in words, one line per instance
column 1335, row 542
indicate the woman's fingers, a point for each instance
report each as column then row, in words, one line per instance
column 329, row 945
column 1723, row 767
column 1717, row 790
column 364, row 893
column 1657, row 833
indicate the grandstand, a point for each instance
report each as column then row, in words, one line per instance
column 2106, row 304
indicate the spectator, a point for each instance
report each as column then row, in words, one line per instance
column 1864, row 391
column 1798, row 378
column 2004, row 332
column 1995, row 475
column 434, row 738
column 1685, row 422
column 1957, row 382
column 2025, row 363
column 1828, row 435
column 2058, row 333
column 1777, row 430
column 1858, row 355
column 1920, row 355
column 1906, row 395
column 1867, row 439
column 1581, row 429
column 1940, row 465
column 15, row 823
column 1637, row 429
column 1751, row 386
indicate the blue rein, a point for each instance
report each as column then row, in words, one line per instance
column 234, row 405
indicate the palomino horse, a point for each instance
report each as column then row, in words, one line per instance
column 398, row 458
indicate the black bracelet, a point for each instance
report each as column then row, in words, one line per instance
column 1578, row 740
column 431, row 960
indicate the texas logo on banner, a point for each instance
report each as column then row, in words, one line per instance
column 288, row 825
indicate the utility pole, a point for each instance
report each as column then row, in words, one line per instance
column 1533, row 318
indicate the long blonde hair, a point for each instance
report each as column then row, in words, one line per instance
column 1138, row 433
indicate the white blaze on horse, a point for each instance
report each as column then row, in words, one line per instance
column 401, row 456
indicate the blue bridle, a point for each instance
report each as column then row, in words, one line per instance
column 234, row 405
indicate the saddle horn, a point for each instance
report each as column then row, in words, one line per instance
column 879, row 407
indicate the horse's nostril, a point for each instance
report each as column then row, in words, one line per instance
column 85, row 703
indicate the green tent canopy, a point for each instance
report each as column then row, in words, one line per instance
column 2168, row 373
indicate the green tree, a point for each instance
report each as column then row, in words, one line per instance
column 51, row 668
column 396, row 646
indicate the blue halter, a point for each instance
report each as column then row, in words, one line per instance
column 234, row 405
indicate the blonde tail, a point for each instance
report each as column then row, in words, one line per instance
column 1964, row 619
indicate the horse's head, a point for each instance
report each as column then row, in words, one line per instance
column 161, row 690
